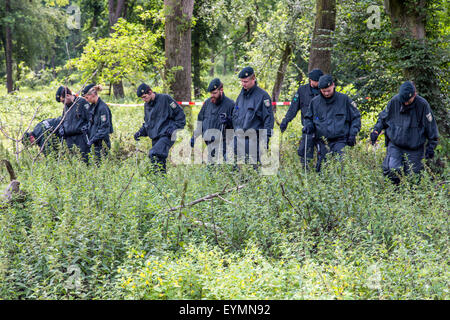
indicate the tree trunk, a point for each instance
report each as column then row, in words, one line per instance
column 408, row 21
column 196, row 66
column 178, row 50
column 285, row 59
column 322, row 45
column 117, row 9
column 8, row 50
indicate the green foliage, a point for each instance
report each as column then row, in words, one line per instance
column 106, row 231
column 34, row 27
column 125, row 54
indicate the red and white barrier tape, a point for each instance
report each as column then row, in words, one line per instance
column 188, row 103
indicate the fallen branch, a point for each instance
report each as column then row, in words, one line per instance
column 207, row 198
column 283, row 193
column 124, row 189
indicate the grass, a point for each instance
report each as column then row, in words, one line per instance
column 107, row 232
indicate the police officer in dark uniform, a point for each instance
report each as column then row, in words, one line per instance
column 252, row 117
column 213, row 119
column 301, row 101
column 100, row 121
column 41, row 132
column 408, row 123
column 162, row 117
column 333, row 118
column 76, row 118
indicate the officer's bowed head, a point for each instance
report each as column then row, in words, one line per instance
column 143, row 89
column 407, row 92
column 326, row 85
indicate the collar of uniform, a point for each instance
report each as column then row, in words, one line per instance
column 330, row 100
column 311, row 92
column 249, row 91
column 406, row 108
column 94, row 106
column 152, row 103
column 67, row 106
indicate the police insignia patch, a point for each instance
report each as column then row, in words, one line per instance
column 103, row 117
column 267, row 103
column 429, row 117
column 86, row 106
column 173, row 105
column 46, row 124
column 354, row 104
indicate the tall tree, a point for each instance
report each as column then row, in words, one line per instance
column 178, row 15
column 8, row 48
column 28, row 32
column 416, row 50
column 117, row 9
column 322, row 44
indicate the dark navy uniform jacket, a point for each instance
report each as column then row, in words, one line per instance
column 412, row 127
column 335, row 118
column 76, row 117
column 209, row 115
column 42, row 130
column 253, row 110
column 161, row 116
column 100, row 123
column 301, row 102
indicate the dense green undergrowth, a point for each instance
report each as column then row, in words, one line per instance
column 111, row 231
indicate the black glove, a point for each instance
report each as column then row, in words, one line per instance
column 192, row 142
column 429, row 153
column 84, row 129
column 137, row 136
column 351, row 141
column 283, row 127
column 307, row 130
column 373, row 137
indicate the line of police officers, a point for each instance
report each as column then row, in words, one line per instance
column 330, row 122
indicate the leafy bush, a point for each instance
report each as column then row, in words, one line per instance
column 114, row 231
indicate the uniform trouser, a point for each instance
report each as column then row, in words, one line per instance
column 247, row 148
column 81, row 142
column 398, row 159
column 159, row 152
column 306, row 147
column 213, row 149
column 101, row 151
column 334, row 147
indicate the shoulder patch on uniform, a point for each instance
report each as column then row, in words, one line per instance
column 267, row 103
column 46, row 124
column 295, row 97
column 429, row 117
column 354, row 104
column 173, row 105
column 103, row 117
column 86, row 106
